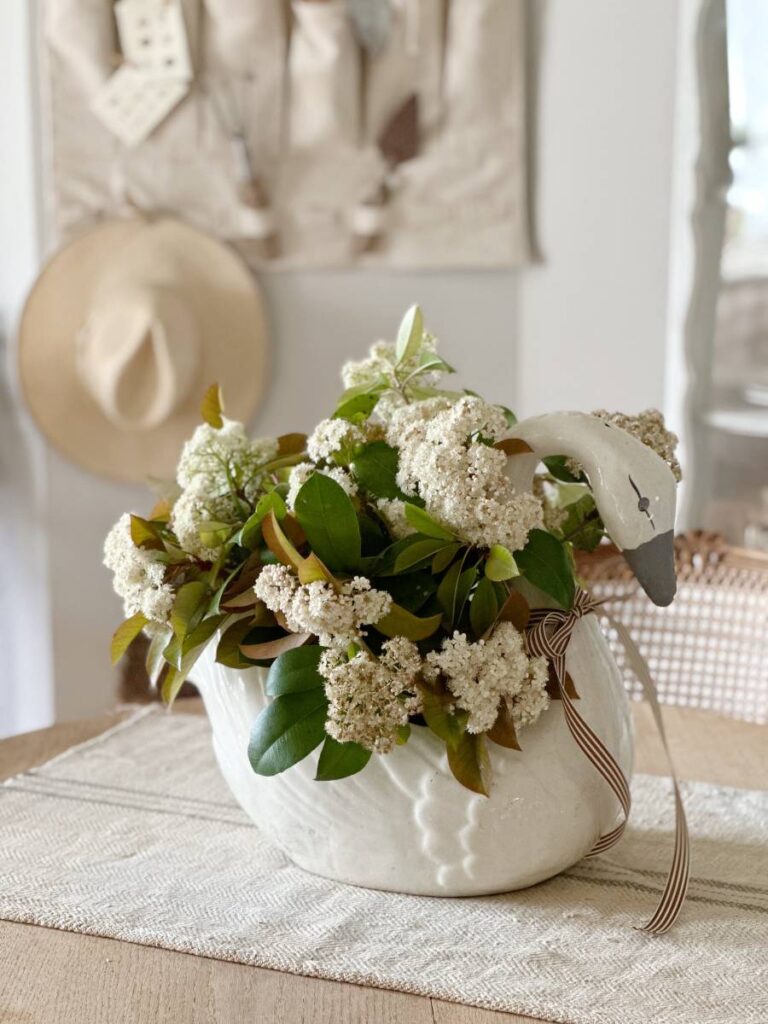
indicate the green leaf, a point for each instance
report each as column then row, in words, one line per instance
column 454, row 589
column 409, row 334
column 557, row 466
column 509, row 416
column 483, row 608
column 155, row 661
column 340, row 760
column 583, row 526
column 424, row 523
column 176, row 650
column 385, row 564
column 468, row 761
column 250, row 534
column 375, row 468
column 211, row 406
column 243, row 601
column 544, row 561
column 359, row 402
column 411, row 591
column 295, row 672
column 429, row 363
column 125, row 634
column 173, row 681
column 329, row 520
column 146, row 535
column 444, row 557
column 286, row 731
column 399, row 622
column 441, row 720
column 418, row 552
column 228, row 651
column 176, row 675
column 500, row 564
column 422, row 392
column 189, row 608
column 213, row 533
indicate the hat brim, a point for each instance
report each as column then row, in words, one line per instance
column 225, row 301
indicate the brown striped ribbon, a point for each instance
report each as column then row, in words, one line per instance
column 548, row 633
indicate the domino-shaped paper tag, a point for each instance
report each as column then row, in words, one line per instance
column 153, row 37
column 134, row 101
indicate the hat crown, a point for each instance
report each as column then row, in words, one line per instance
column 138, row 354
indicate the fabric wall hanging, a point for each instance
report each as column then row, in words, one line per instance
column 311, row 132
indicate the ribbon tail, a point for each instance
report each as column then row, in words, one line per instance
column 676, row 887
column 603, row 760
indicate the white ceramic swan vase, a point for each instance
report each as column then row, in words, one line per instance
column 404, row 823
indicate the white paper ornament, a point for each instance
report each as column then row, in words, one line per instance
column 134, row 101
column 153, row 36
column 156, row 71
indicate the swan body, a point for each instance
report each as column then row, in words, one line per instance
column 404, row 823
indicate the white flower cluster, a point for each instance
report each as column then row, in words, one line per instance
column 335, row 617
column 480, row 675
column 331, row 436
column 192, row 511
column 303, row 471
column 370, row 698
column 139, row 578
column 462, row 480
column 648, row 427
column 381, row 367
column 392, row 511
column 381, row 361
column 212, row 464
column 213, row 460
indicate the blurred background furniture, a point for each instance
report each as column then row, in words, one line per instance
column 707, row 650
column 727, row 330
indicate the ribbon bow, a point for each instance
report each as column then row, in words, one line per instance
column 548, row 634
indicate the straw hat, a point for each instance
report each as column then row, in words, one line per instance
column 123, row 332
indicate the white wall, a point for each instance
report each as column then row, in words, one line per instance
column 25, row 639
column 592, row 322
column 586, row 328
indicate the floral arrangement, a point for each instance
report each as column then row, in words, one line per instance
column 377, row 568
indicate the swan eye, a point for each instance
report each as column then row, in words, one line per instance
column 643, row 503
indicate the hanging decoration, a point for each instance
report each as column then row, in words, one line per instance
column 365, row 132
column 155, row 74
column 372, row 23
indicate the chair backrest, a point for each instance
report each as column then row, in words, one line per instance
column 709, row 648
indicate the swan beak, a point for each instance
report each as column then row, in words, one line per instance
column 653, row 564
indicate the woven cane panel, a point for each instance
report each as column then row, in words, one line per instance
column 708, row 649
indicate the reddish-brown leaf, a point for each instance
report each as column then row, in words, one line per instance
column 274, row 648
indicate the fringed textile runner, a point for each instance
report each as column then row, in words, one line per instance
column 135, row 836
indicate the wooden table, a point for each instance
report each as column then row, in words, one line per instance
column 49, row 976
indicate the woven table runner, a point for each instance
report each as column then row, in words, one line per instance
column 135, row 836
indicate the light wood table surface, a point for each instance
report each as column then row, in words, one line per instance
column 48, row 976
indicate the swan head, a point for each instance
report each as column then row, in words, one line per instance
column 634, row 489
